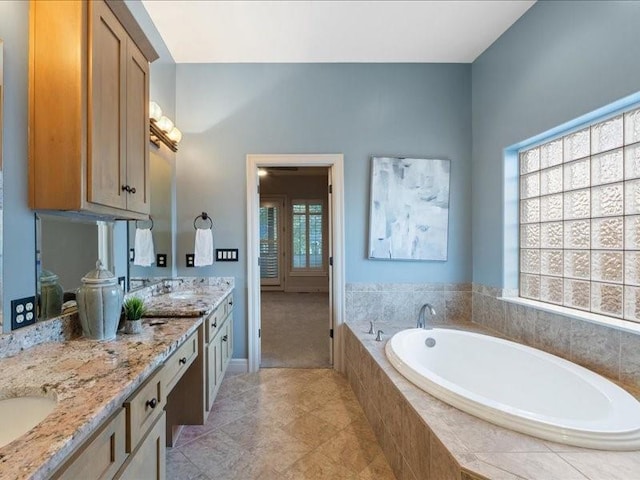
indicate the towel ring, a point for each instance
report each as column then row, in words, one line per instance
column 150, row 220
column 203, row 216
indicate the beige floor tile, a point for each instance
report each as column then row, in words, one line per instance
column 179, row 466
column 259, row 430
column 351, row 448
column 379, row 469
column 316, row 466
column 311, row 429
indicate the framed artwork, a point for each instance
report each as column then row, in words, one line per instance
column 409, row 210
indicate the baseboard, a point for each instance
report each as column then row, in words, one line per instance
column 238, row 365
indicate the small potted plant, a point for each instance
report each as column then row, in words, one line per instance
column 134, row 309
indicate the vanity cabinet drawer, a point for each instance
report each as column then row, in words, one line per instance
column 143, row 408
column 179, row 361
column 102, row 455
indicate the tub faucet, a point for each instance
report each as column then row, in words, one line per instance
column 422, row 321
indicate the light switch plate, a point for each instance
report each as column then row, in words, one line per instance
column 132, row 254
column 23, row 312
column 161, row 260
column 190, row 259
column 226, row 254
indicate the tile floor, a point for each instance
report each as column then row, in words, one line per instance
column 281, row 424
column 305, row 319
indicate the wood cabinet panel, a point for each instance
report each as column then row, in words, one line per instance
column 137, row 121
column 148, row 462
column 107, row 134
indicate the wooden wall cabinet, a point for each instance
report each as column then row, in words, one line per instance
column 88, row 109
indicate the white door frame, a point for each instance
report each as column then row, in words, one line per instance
column 335, row 163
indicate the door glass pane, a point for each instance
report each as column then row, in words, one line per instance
column 269, row 242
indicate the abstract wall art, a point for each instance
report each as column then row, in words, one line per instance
column 409, row 211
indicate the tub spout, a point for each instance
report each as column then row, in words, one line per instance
column 422, row 321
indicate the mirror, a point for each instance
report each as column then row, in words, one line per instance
column 67, row 248
column 1, row 128
column 161, row 173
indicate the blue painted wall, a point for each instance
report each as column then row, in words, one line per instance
column 229, row 111
column 18, row 229
column 561, row 60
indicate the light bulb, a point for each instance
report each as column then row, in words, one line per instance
column 175, row 135
column 165, row 124
column 262, row 172
column 155, row 112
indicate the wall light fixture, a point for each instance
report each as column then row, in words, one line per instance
column 162, row 128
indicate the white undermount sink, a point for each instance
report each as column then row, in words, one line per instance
column 18, row 415
column 184, row 295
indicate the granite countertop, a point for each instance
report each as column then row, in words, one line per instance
column 201, row 301
column 90, row 379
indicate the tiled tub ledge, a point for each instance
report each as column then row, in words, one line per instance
column 423, row 438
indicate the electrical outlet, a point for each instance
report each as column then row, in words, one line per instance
column 161, row 259
column 132, row 254
column 122, row 281
column 226, row 254
column 190, row 259
column 23, row 312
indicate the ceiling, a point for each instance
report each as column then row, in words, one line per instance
column 448, row 31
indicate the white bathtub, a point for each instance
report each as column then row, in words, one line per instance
column 518, row 387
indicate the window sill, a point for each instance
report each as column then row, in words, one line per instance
column 624, row 325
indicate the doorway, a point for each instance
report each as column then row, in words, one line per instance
column 294, row 267
column 288, row 275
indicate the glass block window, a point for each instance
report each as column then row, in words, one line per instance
column 580, row 219
column 307, row 235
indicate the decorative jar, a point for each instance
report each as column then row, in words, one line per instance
column 99, row 303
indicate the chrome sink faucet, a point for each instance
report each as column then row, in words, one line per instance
column 422, row 321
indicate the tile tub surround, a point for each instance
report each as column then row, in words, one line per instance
column 423, row 438
column 608, row 351
column 90, row 379
column 401, row 302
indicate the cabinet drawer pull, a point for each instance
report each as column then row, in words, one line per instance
column 132, row 190
column 230, row 302
column 183, row 360
column 215, row 324
column 153, row 403
column 224, row 339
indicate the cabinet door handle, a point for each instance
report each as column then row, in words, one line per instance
column 215, row 324
column 183, row 360
column 126, row 188
column 132, row 190
column 230, row 302
column 153, row 403
column 224, row 339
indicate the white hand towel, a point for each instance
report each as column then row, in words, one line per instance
column 144, row 254
column 203, row 249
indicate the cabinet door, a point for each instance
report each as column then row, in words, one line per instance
column 137, row 130
column 149, row 461
column 107, row 76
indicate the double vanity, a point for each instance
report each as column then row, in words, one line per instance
column 119, row 403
